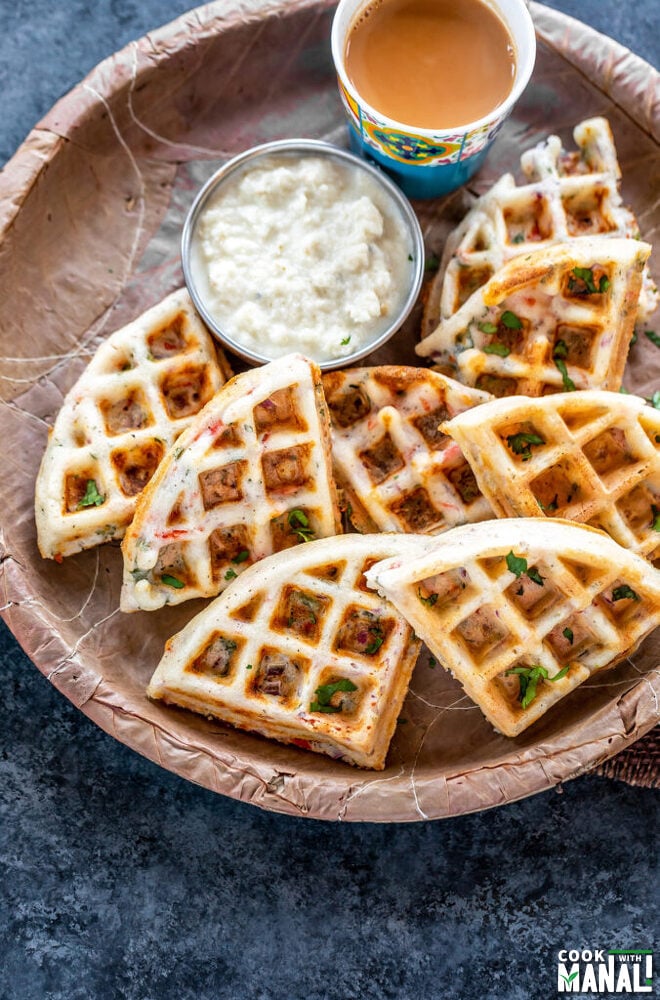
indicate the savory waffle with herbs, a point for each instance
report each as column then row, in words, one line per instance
column 141, row 389
column 555, row 319
column 588, row 456
column 567, row 195
column 252, row 475
column 300, row 650
column 523, row 610
column 397, row 470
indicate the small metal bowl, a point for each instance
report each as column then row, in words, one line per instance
column 299, row 148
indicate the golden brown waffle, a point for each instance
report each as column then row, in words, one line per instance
column 568, row 195
column 397, row 470
column 252, row 475
column 586, row 456
column 522, row 611
column 298, row 649
column 555, row 319
column 140, row 390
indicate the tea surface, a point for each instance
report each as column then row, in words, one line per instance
column 431, row 64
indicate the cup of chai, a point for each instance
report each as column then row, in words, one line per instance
column 428, row 84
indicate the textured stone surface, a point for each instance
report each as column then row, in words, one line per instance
column 121, row 880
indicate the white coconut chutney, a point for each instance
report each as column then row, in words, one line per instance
column 308, row 255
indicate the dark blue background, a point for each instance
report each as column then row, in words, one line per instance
column 122, row 880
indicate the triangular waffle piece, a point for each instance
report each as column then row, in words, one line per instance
column 397, row 470
column 587, row 456
column 567, row 195
column 560, row 318
column 299, row 650
column 522, row 611
column 143, row 386
column 252, row 475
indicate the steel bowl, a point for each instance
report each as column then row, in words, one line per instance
column 300, row 148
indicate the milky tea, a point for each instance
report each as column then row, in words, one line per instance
column 431, row 64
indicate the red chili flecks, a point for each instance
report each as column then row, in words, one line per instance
column 302, row 743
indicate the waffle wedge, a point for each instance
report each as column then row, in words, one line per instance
column 143, row 386
column 589, row 456
column 397, row 470
column 523, row 610
column 566, row 195
column 299, row 650
column 555, row 319
column 252, row 475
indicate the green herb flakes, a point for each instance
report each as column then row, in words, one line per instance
column 299, row 522
column 518, row 238
column 654, row 400
column 241, row 556
column 529, row 678
column 92, row 497
column 230, row 574
column 345, row 341
column 586, row 275
column 559, row 353
column 655, row 518
column 496, row 348
column 625, row 593
column 326, row 691
column 172, row 581
column 510, row 320
column 428, row 601
column 431, row 263
column 518, row 565
column 568, row 634
column 488, row 328
column 521, row 444
column 653, row 337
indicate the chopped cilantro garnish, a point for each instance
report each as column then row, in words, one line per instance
column 230, row 574
column 633, row 339
column 559, row 353
column 345, row 340
column 518, row 238
column 431, row 263
column 377, row 639
column 654, row 400
column 241, row 556
column 501, row 349
column 653, row 337
column 568, row 634
column 428, row 601
column 586, row 275
column 178, row 452
column 510, row 320
column 624, row 592
column 410, row 256
column 172, row 581
column 299, row 521
column 529, row 678
column 432, row 662
column 518, row 565
column 489, row 328
column 520, row 444
column 549, row 506
column 325, row 692
column 655, row 514
column 92, row 497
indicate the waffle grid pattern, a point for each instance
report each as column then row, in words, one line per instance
column 568, row 195
column 252, row 477
column 139, row 392
column 599, row 462
column 536, row 329
column 399, row 471
column 486, row 620
column 283, row 648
